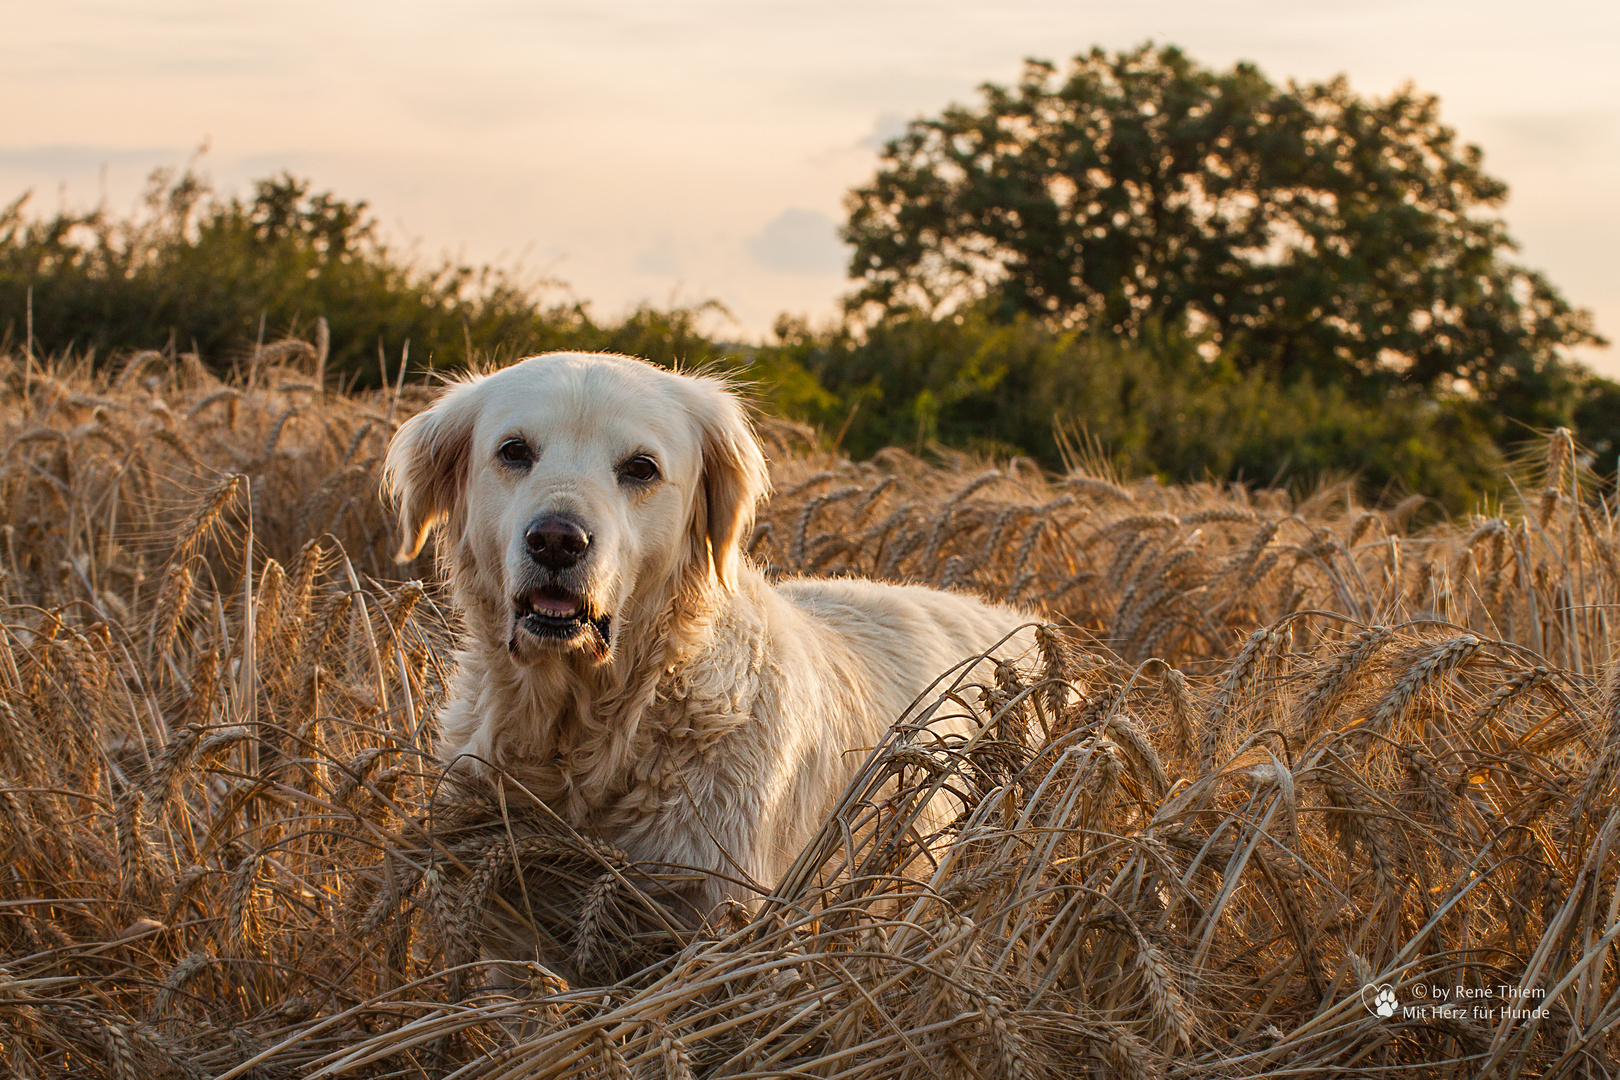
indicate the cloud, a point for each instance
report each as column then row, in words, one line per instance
column 889, row 125
column 81, row 159
column 1564, row 132
column 799, row 242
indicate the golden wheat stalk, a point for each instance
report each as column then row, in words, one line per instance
column 336, row 898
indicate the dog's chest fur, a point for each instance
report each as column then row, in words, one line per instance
column 622, row 760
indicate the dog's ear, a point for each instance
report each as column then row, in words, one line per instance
column 426, row 468
column 734, row 479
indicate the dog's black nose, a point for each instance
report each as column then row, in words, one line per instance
column 556, row 543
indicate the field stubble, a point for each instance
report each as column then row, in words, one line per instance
column 1266, row 754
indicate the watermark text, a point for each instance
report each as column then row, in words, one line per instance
column 1424, row 1000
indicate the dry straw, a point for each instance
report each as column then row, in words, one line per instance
column 1263, row 754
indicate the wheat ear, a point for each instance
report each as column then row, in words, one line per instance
column 1240, row 678
column 1339, row 677
column 597, row 898
column 1171, row 1009
column 207, row 512
column 1431, row 666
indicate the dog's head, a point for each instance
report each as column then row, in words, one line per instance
column 577, row 490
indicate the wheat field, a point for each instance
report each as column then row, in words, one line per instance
column 1270, row 753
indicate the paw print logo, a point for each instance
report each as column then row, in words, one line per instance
column 1379, row 998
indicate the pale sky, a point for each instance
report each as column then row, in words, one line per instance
column 680, row 150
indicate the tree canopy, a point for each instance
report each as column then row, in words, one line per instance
column 1309, row 229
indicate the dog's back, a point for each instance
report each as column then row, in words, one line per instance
column 905, row 637
column 846, row 659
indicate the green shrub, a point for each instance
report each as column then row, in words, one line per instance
column 216, row 274
column 1156, row 405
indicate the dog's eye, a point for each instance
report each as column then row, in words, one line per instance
column 515, row 452
column 640, row 469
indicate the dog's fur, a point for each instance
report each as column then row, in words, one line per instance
column 689, row 711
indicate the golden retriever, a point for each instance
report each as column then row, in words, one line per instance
column 622, row 658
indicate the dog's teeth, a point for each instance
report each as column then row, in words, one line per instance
column 555, row 608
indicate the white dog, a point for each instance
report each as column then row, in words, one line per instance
column 622, row 660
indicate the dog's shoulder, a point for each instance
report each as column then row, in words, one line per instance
column 862, row 598
column 885, row 617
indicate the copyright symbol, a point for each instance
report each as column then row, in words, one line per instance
column 1420, row 990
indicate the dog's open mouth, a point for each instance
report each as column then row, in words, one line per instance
column 561, row 616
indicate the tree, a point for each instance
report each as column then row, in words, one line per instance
column 1303, row 229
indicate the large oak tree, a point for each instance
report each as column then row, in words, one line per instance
column 1314, row 230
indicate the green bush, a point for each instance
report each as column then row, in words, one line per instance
column 195, row 271
column 1156, row 405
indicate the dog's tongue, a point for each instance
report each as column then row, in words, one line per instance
column 553, row 606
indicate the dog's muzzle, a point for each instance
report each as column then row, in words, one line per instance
column 560, row 617
column 553, row 609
